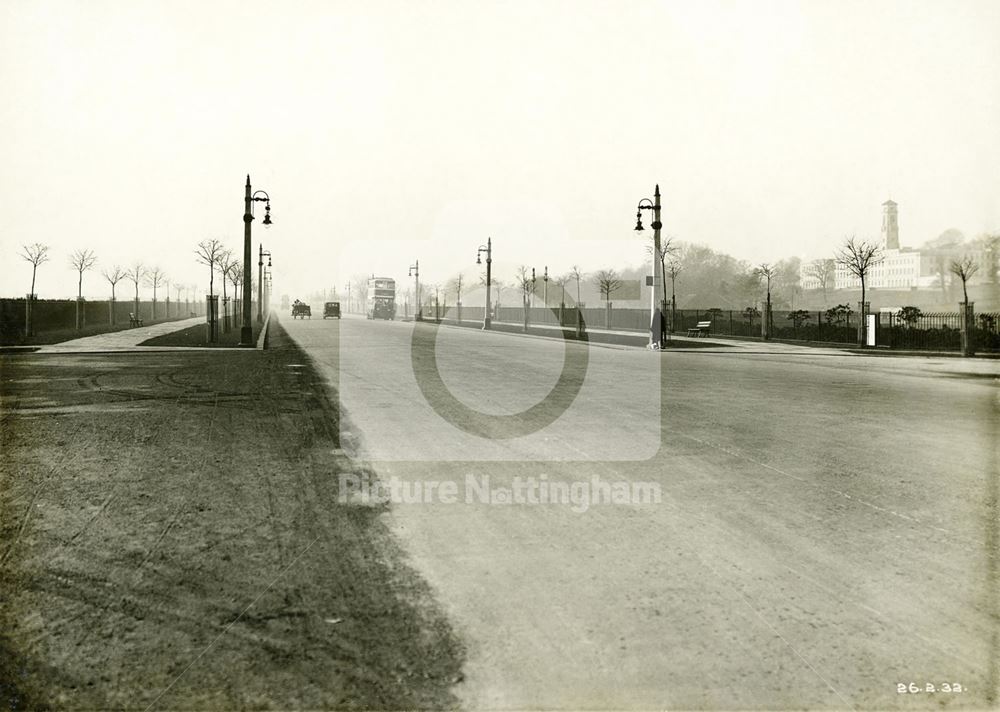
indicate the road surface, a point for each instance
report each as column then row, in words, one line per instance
column 826, row 528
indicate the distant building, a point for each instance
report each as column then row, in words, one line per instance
column 900, row 268
column 890, row 225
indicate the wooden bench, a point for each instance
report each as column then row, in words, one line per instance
column 701, row 329
column 134, row 320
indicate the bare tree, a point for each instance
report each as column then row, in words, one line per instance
column 179, row 288
column 497, row 284
column 455, row 285
column 766, row 272
column 226, row 260
column 429, row 294
column 608, row 281
column 991, row 248
column 235, row 275
column 561, row 281
column 408, row 298
column 209, row 253
column 964, row 269
column 81, row 261
column 155, row 277
column 360, row 288
column 823, row 271
column 673, row 269
column 136, row 275
column 36, row 254
column 858, row 257
column 115, row 275
column 667, row 251
column 522, row 280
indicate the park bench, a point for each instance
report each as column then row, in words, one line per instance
column 134, row 320
column 701, row 329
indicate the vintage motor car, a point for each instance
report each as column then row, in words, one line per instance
column 301, row 310
column 331, row 309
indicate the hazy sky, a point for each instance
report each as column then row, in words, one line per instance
column 387, row 132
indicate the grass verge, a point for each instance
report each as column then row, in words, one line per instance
column 173, row 538
column 197, row 335
column 55, row 336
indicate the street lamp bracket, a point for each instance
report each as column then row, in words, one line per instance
column 267, row 206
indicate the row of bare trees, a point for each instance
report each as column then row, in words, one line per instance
column 83, row 261
column 222, row 260
column 859, row 257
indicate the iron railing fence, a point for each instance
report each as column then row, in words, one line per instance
column 937, row 331
column 928, row 331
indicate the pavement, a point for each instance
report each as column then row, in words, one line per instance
column 680, row 341
column 826, row 528
column 123, row 340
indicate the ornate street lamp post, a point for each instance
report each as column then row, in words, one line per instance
column 418, row 312
column 488, row 249
column 246, row 330
column 656, row 330
column 260, row 283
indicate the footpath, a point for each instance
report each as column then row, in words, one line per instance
column 600, row 335
column 124, row 340
column 172, row 537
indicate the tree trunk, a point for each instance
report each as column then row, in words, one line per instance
column 673, row 303
column 864, row 319
column 79, row 296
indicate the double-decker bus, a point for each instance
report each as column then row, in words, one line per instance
column 381, row 302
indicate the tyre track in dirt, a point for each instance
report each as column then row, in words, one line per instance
column 214, row 535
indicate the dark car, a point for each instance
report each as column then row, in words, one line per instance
column 331, row 309
column 301, row 310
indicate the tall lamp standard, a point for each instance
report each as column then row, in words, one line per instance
column 488, row 249
column 246, row 330
column 418, row 312
column 656, row 331
column 268, row 283
column 260, row 282
column 545, row 287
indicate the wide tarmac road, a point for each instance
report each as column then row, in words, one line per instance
column 823, row 531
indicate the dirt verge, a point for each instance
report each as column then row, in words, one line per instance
column 197, row 335
column 172, row 538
